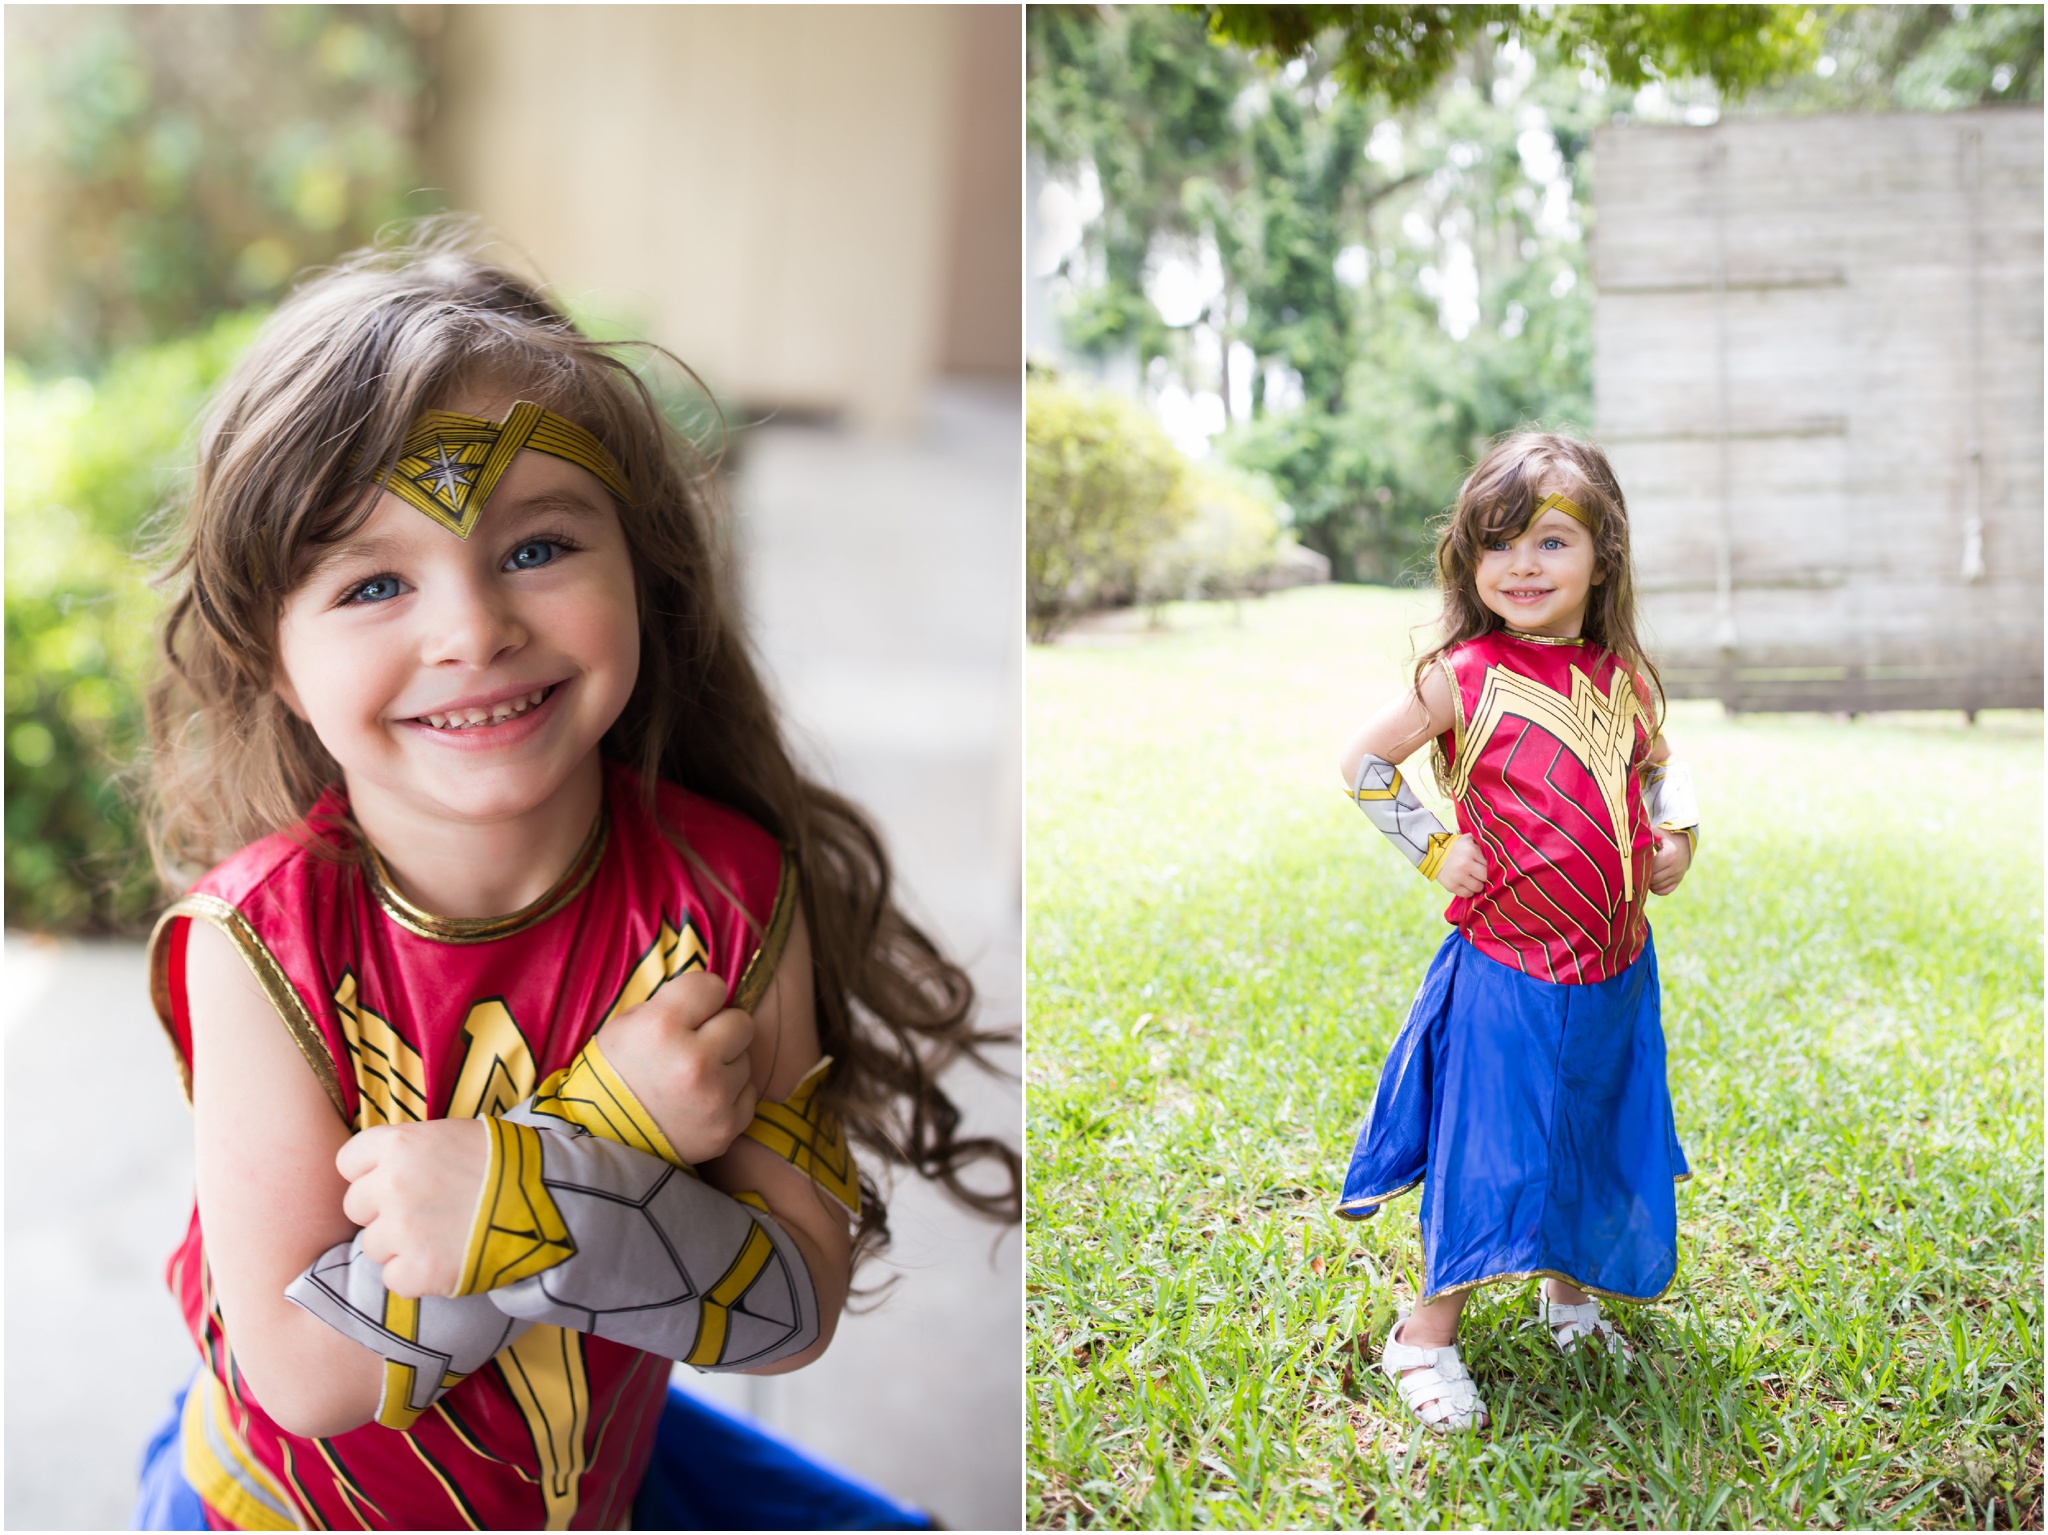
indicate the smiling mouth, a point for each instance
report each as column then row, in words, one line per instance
column 497, row 714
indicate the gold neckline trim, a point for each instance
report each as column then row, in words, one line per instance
column 1543, row 639
column 420, row 921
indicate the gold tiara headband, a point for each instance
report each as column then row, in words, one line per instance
column 450, row 464
column 1558, row 502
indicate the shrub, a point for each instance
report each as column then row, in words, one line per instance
column 1231, row 540
column 1104, row 490
column 87, row 462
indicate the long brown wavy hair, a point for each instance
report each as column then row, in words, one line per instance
column 288, row 453
column 1496, row 501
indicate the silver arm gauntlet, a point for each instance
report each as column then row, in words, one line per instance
column 580, row 1232
column 661, row 1261
column 1391, row 805
column 1669, row 801
column 428, row 1346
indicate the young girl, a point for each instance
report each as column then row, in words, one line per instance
column 526, row 1029
column 1526, row 1091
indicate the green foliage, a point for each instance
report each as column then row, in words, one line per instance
column 1738, row 47
column 1917, row 58
column 1140, row 97
column 1304, row 169
column 1105, row 490
column 87, row 462
column 1397, row 53
column 165, row 163
column 1400, row 52
column 1219, row 957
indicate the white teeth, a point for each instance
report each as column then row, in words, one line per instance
column 497, row 714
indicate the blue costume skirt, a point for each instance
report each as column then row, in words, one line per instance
column 1538, row 1121
column 712, row 1470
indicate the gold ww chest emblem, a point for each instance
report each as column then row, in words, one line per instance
column 497, row 1068
column 1597, row 728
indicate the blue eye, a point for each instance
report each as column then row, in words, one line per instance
column 1553, row 543
column 531, row 556
column 376, row 589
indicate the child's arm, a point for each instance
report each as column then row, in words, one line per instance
column 1409, row 722
column 785, row 1048
column 270, row 1199
column 1674, row 817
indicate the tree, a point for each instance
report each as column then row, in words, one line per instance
column 1917, row 58
column 1140, row 98
column 1304, row 172
column 1398, row 53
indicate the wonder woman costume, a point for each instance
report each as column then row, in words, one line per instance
column 1526, row 1091
column 521, row 1402
column 403, row 1015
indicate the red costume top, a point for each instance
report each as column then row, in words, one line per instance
column 1542, row 763
column 403, row 1015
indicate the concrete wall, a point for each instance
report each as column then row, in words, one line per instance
column 1818, row 370
column 815, row 206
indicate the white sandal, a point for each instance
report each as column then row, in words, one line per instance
column 1439, row 1392
column 1570, row 1324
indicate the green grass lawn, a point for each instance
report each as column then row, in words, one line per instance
column 1221, row 949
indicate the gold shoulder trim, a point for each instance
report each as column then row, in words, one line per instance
column 425, row 924
column 1440, row 765
column 1457, row 703
column 284, row 996
column 753, row 982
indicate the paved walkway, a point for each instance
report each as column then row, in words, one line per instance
column 883, row 588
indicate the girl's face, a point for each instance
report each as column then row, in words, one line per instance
column 1539, row 580
column 467, row 681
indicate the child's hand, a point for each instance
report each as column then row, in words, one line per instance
column 414, row 1189
column 1669, row 863
column 1463, row 871
column 684, row 1054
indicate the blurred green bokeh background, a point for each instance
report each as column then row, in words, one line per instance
column 169, row 171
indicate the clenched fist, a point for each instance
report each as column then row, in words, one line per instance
column 414, row 1189
column 1463, row 871
column 1669, row 863
column 684, row 1054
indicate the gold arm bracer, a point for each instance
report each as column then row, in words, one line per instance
column 809, row 1136
column 589, row 1093
column 517, row 1231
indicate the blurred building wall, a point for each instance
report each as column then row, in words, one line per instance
column 1818, row 371
column 815, row 206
